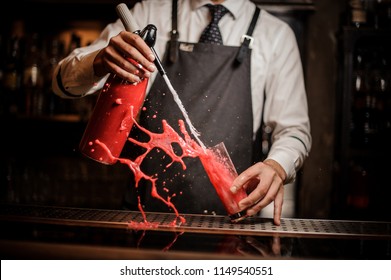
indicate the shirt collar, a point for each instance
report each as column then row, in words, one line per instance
column 232, row 5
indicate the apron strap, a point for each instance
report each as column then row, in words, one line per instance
column 173, row 50
column 246, row 39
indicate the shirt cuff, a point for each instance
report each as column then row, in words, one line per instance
column 286, row 162
column 88, row 61
column 289, row 152
column 79, row 70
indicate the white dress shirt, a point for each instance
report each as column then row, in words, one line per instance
column 275, row 67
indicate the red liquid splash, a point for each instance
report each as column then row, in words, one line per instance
column 108, row 130
column 220, row 175
column 163, row 141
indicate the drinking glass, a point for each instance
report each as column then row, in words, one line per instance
column 222, row 172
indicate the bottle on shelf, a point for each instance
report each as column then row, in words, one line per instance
column 358, row 197
column 386, row 94
column 358, row 13
column 369, row 97
column 379, row 87
column 74, row 43
column 35, row 101
column 12, row 77
column 382, row 14
column 54, row 55
column 360, row 96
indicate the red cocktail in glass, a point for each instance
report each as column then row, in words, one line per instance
column 221, row 172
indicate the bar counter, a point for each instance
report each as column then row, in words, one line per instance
column 47, row 232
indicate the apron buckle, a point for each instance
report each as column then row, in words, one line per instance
column 249, row 40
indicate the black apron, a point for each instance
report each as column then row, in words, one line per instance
column 215, row 90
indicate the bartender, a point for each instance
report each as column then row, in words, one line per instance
column 236, row 69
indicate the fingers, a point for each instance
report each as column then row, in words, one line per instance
column 265, row 193
column 269, row 188
column 126, row 55
column 246, row 176
column 113, row 62
column 278, row 207
column 133, row 46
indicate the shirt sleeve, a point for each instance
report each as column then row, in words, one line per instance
column 286, row 109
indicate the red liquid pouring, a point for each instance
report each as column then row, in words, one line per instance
column 111, row 121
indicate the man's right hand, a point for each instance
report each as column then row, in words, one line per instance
column 126, row 55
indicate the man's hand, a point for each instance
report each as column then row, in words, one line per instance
column 126, row 55
column 264, row 181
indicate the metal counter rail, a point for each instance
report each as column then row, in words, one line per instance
column 254, row 226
